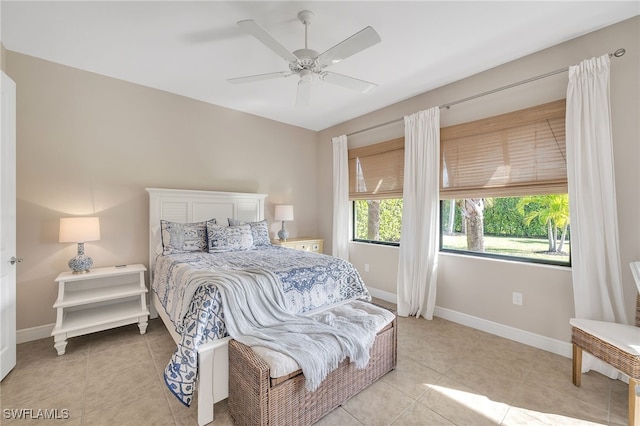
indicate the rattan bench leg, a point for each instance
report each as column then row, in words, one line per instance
column 634, row 402
column 577, row 364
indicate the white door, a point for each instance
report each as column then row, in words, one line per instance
column 7, row 225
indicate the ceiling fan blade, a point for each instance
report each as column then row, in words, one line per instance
column 258, row 77
column 348, row 82
column 304, row 93
column 263, row 36
column 358, row 42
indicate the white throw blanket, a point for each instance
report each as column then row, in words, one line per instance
column 255, row 314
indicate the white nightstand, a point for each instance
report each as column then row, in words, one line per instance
column 102, row 298
column 301, row 243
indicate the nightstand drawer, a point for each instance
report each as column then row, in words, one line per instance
column 301, row 243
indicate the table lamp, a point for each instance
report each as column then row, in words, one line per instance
column 79, row 230
column 283, row 213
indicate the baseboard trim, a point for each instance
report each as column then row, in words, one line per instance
column 384, row 295
column 537, row 341
column 34, row 333
column 522, row 336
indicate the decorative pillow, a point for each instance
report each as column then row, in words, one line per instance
column 183, row 237
column 259, row 231
column 229, row 238
column 234, row 222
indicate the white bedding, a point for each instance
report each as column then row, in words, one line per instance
column 309, row 280
column 281, row 365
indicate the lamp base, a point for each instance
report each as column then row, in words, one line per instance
column 283, row 234
column 81, row 263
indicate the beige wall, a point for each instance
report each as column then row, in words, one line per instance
column 89, row 145
column 3, row 56
column 483, row 287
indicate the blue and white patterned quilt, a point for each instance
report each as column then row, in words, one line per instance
column 309, row 281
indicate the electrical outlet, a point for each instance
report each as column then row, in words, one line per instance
column 517, row 298
column 366, row 267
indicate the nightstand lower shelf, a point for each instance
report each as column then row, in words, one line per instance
column 90, row 320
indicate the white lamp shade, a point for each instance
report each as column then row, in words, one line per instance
column 284, row 212
column 79, row 229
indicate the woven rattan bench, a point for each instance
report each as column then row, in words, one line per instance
column 256, row 399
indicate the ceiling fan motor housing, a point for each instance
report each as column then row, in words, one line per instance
column 306, row 61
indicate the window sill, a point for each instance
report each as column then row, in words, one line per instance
column 502, row 260
column 368, row 244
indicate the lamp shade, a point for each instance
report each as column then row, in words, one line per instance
column 284, row 212
column 79, row 229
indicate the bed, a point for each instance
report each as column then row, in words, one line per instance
column 203, row 351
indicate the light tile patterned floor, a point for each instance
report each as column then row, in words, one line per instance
column 447, row 374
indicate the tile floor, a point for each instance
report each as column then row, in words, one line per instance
column 447, row 374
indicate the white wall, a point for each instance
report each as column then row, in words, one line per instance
column 482, row 287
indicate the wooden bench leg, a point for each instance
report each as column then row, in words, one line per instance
column 634, row 402
column 577, row 364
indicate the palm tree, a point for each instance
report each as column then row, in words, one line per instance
column 552, row 210
column 473, row 213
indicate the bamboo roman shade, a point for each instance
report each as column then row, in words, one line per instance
column 376, row 171
column 515, row 154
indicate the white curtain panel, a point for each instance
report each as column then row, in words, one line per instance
column 340, row 246
column 419, row 244
column 595, row 259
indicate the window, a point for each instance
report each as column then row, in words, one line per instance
column 503, row 186
column 375, row 186
column 377, row 221
column 532, row 228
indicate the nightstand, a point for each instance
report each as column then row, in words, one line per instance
column 101, row 299
column 302, row 243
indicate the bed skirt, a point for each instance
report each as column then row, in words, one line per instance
column 256, row 399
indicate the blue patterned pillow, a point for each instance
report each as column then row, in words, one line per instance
column 229, row 238
column 259, row 231
column 183, row 237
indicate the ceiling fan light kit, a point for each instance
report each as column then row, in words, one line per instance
column 307, row 63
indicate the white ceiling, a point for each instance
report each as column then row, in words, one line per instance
column 191, row 48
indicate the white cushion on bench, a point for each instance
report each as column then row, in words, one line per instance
column 623, row 336
column 281, row 365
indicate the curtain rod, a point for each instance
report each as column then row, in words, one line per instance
column 618, row 53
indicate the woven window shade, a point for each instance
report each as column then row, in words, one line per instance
column 515, row 154
column 376, row 171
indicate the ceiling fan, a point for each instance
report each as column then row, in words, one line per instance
column 307, row 63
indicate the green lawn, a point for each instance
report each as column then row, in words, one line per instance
column 510, row 246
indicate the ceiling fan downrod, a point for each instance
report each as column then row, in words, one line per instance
column 305, row 17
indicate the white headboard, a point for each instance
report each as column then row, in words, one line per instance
column 187, row 206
